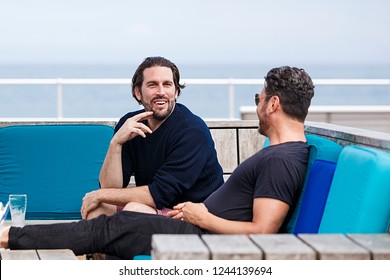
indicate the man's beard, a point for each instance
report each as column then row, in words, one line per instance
column 158, row 114
column 263, row 123
column 161, row 115
column 263, row 127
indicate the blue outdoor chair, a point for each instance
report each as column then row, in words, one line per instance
column 323, row 156
column 359, row 197
column 55, row 165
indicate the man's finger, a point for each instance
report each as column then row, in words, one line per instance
column 143, row 116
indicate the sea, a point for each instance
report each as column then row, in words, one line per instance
column 207, row 101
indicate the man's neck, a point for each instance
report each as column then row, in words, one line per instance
column 154, row 124
column 287, row 131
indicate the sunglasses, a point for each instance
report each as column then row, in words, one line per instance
column 257, row 99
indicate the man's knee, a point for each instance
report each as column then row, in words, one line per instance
column 139, row 207
column 104, row 208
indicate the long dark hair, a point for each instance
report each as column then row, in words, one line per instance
column 138, row 77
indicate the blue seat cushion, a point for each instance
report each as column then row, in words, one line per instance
column 320, row 149
column 55, row 165
column 315, row 196
column 143, row 257
column 359, row 197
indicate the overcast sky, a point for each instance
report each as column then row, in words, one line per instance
column 212, row 31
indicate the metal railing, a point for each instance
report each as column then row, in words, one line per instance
column 230, row 83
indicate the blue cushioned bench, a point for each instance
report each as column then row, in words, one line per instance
column 323, row 156
column 347, row 190
column 359, row 196
column 55, row 165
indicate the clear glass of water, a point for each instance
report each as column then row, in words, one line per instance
column 18, row 208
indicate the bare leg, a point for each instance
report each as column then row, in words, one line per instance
column 139, row 207
column 104, row 208
column 4, row 237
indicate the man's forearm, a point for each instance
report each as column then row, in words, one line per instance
column 121, row 197
column 111, row 172
column 216, row 224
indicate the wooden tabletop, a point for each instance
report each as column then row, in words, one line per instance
column 61, row 254
column 271, row 246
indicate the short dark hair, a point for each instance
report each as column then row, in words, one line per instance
column 294, row 87
column 138, row 77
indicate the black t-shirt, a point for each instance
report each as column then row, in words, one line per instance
column 277, row 171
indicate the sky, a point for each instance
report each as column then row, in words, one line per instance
column 195, row 31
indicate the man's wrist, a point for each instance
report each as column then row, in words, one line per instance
column 204, row 221
column 100, row 195
column 115, row 144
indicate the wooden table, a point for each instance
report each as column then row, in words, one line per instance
column 61, row 254
column 52, row 254
column 271, row 247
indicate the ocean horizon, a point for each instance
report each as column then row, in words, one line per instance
column 209, row 102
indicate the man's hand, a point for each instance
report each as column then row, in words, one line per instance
column 90, row 203
column 190, row 212
column 111, row 175
column 132, row 128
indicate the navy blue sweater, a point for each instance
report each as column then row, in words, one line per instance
column 178, row 161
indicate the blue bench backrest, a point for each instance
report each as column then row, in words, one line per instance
column 327, row 151
column 55, row 165
column 359, row 197
column 315, row 196
column 323, row 155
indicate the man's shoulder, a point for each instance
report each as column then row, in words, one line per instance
column 186, row 126
column 188, row 118
column 287, row 146
column 285, row 150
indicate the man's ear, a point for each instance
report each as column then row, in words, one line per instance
column 176, row 94
column 274, row 103
column 137, row 94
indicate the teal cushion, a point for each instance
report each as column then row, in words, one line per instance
column 359, row 197
column 142, row 258
column 388, row 226
column 55, row 165
column 266, row 142
column 320, row 149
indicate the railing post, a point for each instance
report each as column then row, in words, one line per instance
column 231, row 99
column 389, row 91
column 59, row 98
